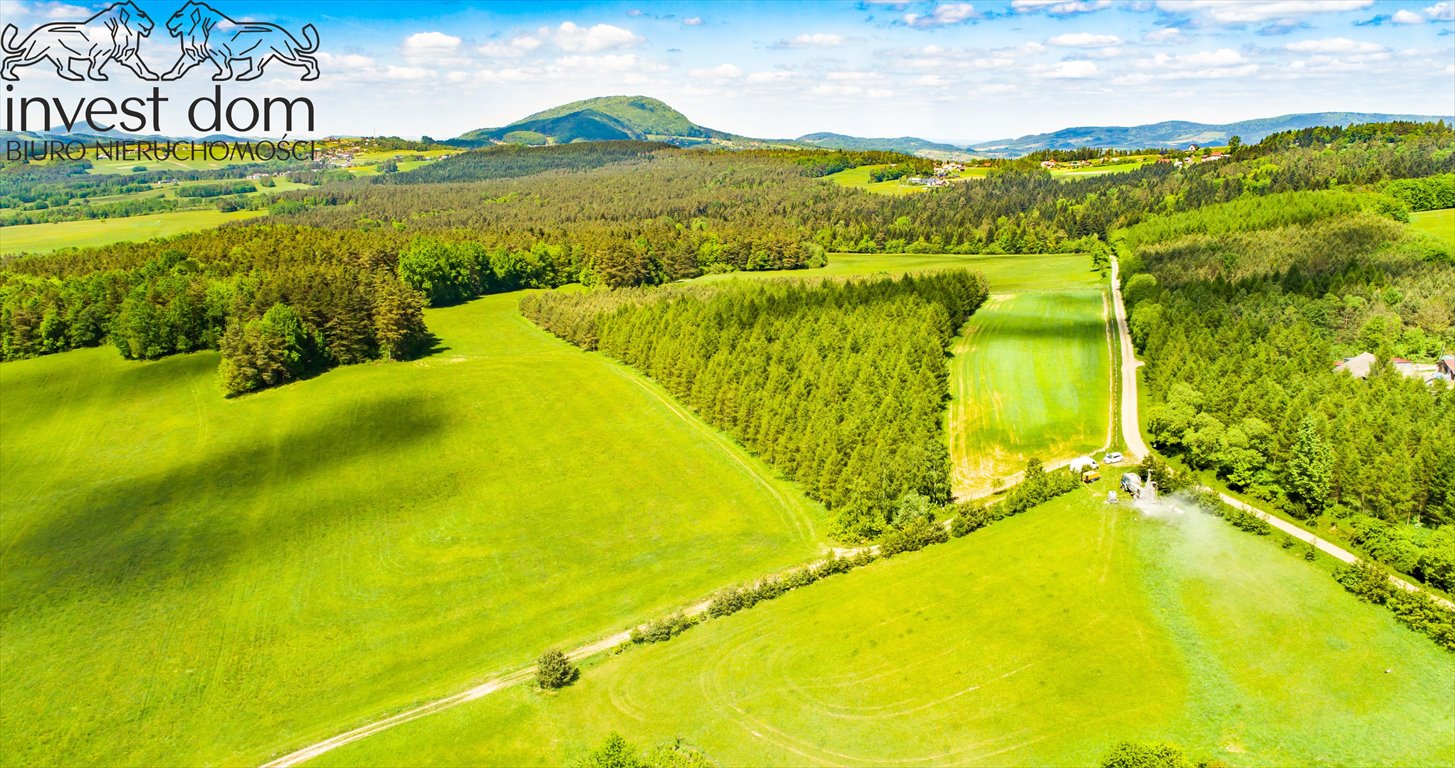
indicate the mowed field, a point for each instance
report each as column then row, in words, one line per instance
column 40, row 238
column 1041, row 640
column 1439, row 223
column 191, row 580
column 1030, row 377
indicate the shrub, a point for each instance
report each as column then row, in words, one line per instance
column 916, row 534
column 663, row 630
column 1151, row 754
column 554, row 670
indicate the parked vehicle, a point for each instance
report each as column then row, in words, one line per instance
column 1115, row 457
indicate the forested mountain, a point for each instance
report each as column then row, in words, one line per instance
column 605, row 118
column 841, row 385
column 1180, row 133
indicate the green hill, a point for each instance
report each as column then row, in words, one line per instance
column 605, row 118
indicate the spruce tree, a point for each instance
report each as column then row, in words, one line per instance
column 1310, row 467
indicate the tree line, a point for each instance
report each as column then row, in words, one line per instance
column 840, row 385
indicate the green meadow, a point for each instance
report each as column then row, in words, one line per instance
column 39, row 238
column 1030, row 377
column 858, row 178
column 1041, row 640
column 1439, row 223
column 193, row 580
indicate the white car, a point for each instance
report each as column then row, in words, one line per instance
column 1112, row 458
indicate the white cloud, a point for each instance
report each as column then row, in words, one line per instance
column 720, row 72
column 1201, row 65
column 1059, row 7
column 1334, row 45
column 1163, row 35
column 430, row 44
column 408, row 73
column 814, row 40
column 854, row 76
column 943, row 15
column 611, row 62
column 600, row 37
column 1084, row 40
column 1403, row 16
column 692, row 21
column 457, row 76
column 1441, row 11
column 1254, row 11
column 1072, row 70
column 515, row 47
column 344, row 61
column 769, row 77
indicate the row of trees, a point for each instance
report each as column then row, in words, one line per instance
column 840, row 385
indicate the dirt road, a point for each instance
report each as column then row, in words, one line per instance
column 1131, row 425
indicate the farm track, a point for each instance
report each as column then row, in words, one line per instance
column 1131, row 425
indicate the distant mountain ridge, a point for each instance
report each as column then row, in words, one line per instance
column 1176, row 133
column 906, row 144
column 642, row 118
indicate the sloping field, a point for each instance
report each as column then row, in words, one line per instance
column 1439, row 223
column 191, row 580
column 1030, row 377
column 1041, row 640
column 39, row 238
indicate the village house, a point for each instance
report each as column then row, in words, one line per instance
column 1048, row 163
column 1446, row 367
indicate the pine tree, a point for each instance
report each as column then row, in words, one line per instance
column 1310, row 468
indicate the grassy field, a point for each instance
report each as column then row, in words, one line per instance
column 858, row 178
column 191, row 580
column 1030, row 377
column 1440, row 223
column 1041, row 640
column 39, row 238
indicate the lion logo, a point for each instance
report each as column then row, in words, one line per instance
column 111, row 35
column 207, row 35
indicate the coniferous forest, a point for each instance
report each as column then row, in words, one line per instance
column 840, row 385
column 1244, row 309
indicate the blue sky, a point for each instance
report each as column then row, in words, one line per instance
column 947, row 70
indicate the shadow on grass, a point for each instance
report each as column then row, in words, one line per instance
column 118, row 531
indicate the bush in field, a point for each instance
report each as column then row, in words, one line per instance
column 1151, row 754
column 554, row 670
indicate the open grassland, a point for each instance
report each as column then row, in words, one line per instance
column 190, row 580
column 39, row 238
column 1041, row 640
column 858, row 178
column 1030, row 377
column 1440, row 223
